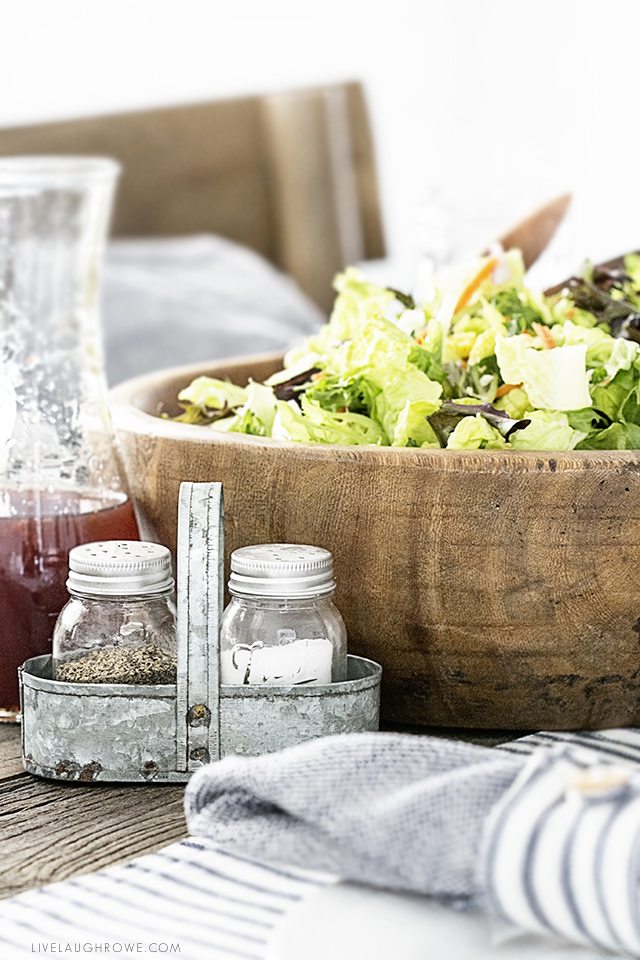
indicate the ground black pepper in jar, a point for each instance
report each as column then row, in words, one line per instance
column 119, row 625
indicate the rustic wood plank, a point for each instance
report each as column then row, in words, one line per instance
column 10, row 758
column 51, row 831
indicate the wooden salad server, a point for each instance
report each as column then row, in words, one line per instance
column 534, row 234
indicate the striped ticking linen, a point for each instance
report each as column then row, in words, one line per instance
column 190, row 901
column 613, row 746
column 194, row 900
column 562, row 847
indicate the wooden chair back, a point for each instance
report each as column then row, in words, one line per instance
column 290, row 175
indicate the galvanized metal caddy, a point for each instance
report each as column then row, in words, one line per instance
column 157, row 733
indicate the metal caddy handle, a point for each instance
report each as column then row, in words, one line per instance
column 200, row 601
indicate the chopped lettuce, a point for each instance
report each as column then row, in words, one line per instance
column 475, row 433
column 257, row 414
column 212, row 394
column 619, row 436
column 406, row 398
column 340, row 393
column 515, row 403
column 206, row 399
column 554, row 379
column 359, row 301
column 619, row 398
column 548, row 430
column 312, row 424
column 588, row 420
column 622, row 355
column 479, row 362
column 485, row 344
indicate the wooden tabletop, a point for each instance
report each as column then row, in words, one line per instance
column 49, row 831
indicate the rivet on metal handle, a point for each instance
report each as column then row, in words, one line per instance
column 199, row 715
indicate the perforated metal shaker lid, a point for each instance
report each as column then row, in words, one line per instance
column 121, row 568
column 281, row 570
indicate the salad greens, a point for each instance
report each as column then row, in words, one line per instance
column 485, row 363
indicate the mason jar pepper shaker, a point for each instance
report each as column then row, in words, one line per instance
column 281, row 626
column 119, row 625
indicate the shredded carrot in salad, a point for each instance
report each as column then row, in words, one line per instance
column 545, row 335
column 483, row 274
column 506, row 388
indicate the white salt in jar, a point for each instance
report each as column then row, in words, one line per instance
column 281, row 626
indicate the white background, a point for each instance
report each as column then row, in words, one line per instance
column 480, row 107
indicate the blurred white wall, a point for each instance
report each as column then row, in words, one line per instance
column 480, row 107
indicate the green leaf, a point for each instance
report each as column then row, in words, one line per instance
column 427, row 362
column 548, row 430
column 618, row 398
column 211, row 394
column 340, row 393
column 474, row 433
column 619, row 436
column 588, row 419
column 257, row 414
column 514, row 305
column 515, row 403
column 206, row 400
column 406, row 398
column 312, row 424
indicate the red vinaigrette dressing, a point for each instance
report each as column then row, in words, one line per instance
column 37, row 530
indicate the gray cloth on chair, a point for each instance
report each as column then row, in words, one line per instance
column 192, row 299
column 391, row 810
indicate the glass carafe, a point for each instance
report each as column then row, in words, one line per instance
column 60, row 481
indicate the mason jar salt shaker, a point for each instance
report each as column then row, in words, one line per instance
column 281, row 626
column 119, row 625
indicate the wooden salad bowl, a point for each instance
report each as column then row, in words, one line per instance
column 497, row 589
